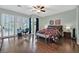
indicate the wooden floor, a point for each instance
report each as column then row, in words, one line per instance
column 32, row 45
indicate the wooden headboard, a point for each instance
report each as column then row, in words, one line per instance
column 60, row 27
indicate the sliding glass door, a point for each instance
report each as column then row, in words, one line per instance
column 21, row 23
column 17, row 24
column 11, row 25
column 4, row 23
column 25, row 23
column 7, row 23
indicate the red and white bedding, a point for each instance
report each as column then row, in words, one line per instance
column 48, row 33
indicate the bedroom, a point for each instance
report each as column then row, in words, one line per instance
column 15, row 16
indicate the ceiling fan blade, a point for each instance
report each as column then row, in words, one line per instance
column 42, row 7
column 43, row 10
column 35, row 7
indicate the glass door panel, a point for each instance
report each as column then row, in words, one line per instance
column 7, row 22
column 21, row 22
column 11, row 25
column 17, row 24
column 25, row 23
column 4, row 23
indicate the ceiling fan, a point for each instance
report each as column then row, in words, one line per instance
column 19, row 6
column 39, row 8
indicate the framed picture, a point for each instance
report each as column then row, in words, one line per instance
column 51, row 22
column 57, row 22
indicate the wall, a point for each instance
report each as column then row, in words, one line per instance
column 67, row 18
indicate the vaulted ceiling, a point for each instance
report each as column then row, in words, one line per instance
column 50, row 9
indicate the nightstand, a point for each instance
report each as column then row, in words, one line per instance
column 67, row 35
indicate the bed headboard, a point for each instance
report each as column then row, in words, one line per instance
column 60, row 27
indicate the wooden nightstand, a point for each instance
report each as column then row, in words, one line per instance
column 67, row 35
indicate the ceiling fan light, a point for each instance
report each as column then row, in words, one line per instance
column 38, row 11
column 39, row 8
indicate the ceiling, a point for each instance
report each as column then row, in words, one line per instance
column 50, row 9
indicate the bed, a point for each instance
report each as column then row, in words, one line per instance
column 51, row 32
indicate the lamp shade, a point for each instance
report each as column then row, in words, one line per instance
column 67, row 27
column 46, row 26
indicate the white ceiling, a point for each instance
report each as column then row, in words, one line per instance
column 50, row 9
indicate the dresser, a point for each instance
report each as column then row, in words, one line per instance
column 67, row 35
